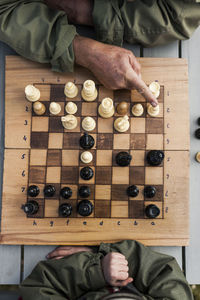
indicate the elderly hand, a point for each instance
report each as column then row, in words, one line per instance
column 63, row 251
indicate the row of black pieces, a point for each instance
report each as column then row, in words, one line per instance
column 65, row 192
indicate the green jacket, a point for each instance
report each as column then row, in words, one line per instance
column 41, row 34
column 79, row 276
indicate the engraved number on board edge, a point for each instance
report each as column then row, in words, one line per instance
column 168, row 125
column 166, row 194
column 168, row 110
column 27, row 109
column 23, row 189
column 166, row 209
column 25, row 122
column 23, row 156
column 169, row 158
column 23, row 173
column 51, row 223
column 153, row 223
column 168, row 141
column 25, row 138
column 167, row 176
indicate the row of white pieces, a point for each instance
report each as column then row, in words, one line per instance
column 54, row 108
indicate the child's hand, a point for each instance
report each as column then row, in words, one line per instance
column 115, row 269
column 63, row 251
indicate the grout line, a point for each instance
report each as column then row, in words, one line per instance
column 22, row 264
column 183, row 261
column 180, row 49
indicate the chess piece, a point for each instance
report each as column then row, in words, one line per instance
column 89, row 91
column 123, row 159
column 149, row 191
column 88, row 124
column 153, row 111
column 70, row 90
column 85, row 208
column 31, row 207
column 132, row 191
column 32, row 93
column 121, row 124
column 197, row 156
column 71, row 108
column 33, row 191
column 84, row 191
column 137, row 110
column 66, row 192
column 39, row 108
column 69, row 122
column 86, row 141
column 155, row 88
column 65, row 210
column 122, row 108
column 86, row 157
column 198, row 121
column 54, row 108
column 106, row 108
column 86, row 173
column 155, row 157
column 152, row 211
column 49, row 191
column 197, row 133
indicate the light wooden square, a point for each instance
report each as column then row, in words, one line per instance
column 119, row 209
column 140, row 196
column 154, row 175
column 51, row 208
column 89, row 109
column 40, row 124
column 104, row 93
column 154, row 141
column 55, row 140
column 136, row 96
column 104, row 158
column 105, row 125
column 44, row 91
column 120, row 175
column 53, row 174
column 74, row 189
column 38, row 157
column 121, row 141
column 137, row 125
column 138, row 157
column 103, row 192
column 85, row 182
column 70, row 157
column 158, row 204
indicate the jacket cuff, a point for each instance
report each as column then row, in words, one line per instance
column 95, row 273
column 108, row 22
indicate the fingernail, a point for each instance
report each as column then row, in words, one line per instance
column 154, row 104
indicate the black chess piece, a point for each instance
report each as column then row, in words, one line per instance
column 65, row 210
column 123, row 159
column 86, row 141
column 86, row 173
column 197, row 133
column 132, row 191
column 31, row 207
column 198, row 121
column 155, row 157
column 49, row 190
column 66, row 192
column 85, row 208
column 152, row 211
column 84, row 191
column 33, row 191
column 149, row 191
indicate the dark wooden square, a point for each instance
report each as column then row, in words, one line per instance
column 105, row 141
column 57, row 92
column 39, row 140
column 73, row 204
column 137, row 141
column 102, row 209
column 46, row 104
column 114, row 154
column 119, row 192
column 103, row 175
column 154, row 125
column 55, row 124
column 37, row 174
column 136, row 209
column 122, row 95
column 159, row 194
column 69, row 175
column 54, row 157
column 71, row 140
column 57, row 192
column 92, row 188
column 40, row 213
column 137, row 175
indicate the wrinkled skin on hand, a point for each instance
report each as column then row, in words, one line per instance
column 63, row 251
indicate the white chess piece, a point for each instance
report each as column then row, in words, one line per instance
column 88, row 124
column 54, row 108
column 155, row 88
column 106, row 108
column 71, row 108
column 137, row 110
column 32, row 93
column 69, row 122
column 39, row 108
column 122, row 124
column 86, row 157
column 153, row 111
column 89, row 91
column 71, row 90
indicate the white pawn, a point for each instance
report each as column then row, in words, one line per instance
column 69, row 122
column 155, row 88
column 122, row 124
column 137, row 110
column 54, row 108
column 86, row 157
column 89, row 91
column 106, row 108
column 32, row 93
column 71, row 108
column 153, row 111
column 88, row 124
column 71, row 90
column 39, row 108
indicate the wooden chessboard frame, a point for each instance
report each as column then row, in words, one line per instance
column 16, row 228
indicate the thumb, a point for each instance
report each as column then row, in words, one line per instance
column 124, row 282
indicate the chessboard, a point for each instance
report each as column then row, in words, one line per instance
column 40, row 151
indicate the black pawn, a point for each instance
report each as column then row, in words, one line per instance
column 132, row 191
column 84, row 191
column 149, row 191
column 123, row 159
column 155, row 157
column 65, row 210
column 86, row 173
column 86, row 141
column 49, row 190
column 197, row 133
column 31, row 207
column 85, row 208
column 66, row 192
column 152, row 211
column 33, row 191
